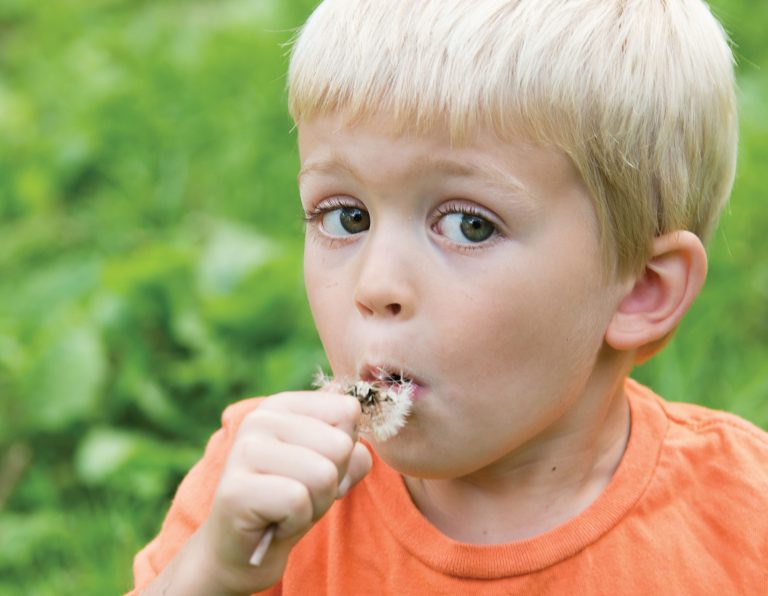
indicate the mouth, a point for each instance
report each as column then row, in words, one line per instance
column 390, row 375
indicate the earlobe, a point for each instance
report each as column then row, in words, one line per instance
column 660, row 296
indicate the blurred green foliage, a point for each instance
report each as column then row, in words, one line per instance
column 150, row 249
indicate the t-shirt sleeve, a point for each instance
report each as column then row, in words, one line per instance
column 193, row 500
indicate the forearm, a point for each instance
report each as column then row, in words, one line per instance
column 190, row 573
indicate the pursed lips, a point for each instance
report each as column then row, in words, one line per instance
column 391, row 374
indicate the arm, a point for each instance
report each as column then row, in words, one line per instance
column 284, row 466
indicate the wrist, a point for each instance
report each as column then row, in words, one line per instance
column 212, row 575
column 193, row 572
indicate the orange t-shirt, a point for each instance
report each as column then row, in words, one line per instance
column 686, row 512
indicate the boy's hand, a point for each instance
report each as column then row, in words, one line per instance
column 292, row 457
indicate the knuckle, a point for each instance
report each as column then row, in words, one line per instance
column 256, row 420
column 297, row 500
column 341, row 445
column 350, row 408
column 266, row 423
column 298, row 510
column 250, row 450
column 326, row 476
column 273, row 402
column 279, row 402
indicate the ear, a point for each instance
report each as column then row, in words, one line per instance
column 673, row 277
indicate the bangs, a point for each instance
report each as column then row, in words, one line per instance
column 426, row 65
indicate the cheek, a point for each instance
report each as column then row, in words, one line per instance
column 320, row 285
column 311, row 279
column 530, row 322
column 330, row 301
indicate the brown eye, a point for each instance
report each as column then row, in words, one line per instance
column 354, row 220
column 345, row 221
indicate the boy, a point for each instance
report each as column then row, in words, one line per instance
column 506, row 202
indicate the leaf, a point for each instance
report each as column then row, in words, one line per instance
column 40, row 296
column 103, row 452
column 157, row 406
column 131, row 462
column 28, row 536
column 154, row 264
column 64, row 385
column 232, row 252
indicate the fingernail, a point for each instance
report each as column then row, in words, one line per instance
column 344, row 486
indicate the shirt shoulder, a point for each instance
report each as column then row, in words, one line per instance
column 710, row 488
column 700, row 419
column 704, row 433
column 713, row 436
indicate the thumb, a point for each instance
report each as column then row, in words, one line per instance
column 360, row 463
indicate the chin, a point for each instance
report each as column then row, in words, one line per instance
column 416, row 460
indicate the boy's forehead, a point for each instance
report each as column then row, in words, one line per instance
column 336, row 133
column 367, row 149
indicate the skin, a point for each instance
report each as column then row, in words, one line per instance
column 520, row 399
column 516, row 339
column 291, row 459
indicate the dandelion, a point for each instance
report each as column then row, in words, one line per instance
column 386, row 401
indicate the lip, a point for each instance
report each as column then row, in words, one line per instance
column 379, row 371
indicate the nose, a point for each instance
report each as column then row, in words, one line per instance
column 385, row 282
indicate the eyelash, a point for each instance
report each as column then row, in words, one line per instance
column 313, row 215
column 468, row 209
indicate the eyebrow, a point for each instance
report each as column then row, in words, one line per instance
column 449, row 167
column 337, row 164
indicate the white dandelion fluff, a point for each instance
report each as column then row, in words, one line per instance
column 386, row 402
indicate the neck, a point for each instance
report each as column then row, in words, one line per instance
column 541, row 485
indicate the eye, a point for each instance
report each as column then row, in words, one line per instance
column 464, row 228
column 345, row 221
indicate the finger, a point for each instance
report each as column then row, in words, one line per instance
column 331, row 442
column 341, row 411
column 360, row 464
column 332, row 385
column 253, row 501
column 316, row 472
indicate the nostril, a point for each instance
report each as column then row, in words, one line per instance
column 394, row 308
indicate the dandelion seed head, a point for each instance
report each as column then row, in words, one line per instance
column 385, row 404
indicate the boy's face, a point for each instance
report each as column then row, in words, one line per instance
column 476, row 271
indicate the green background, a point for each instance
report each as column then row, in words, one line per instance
column 150, row 239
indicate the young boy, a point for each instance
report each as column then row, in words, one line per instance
column 506, row 202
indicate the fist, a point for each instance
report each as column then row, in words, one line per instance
column 292, row 457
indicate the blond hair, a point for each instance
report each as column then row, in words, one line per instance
column 638, row 93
